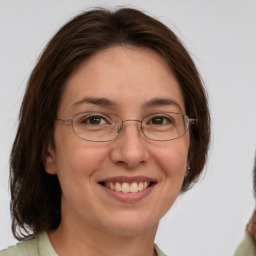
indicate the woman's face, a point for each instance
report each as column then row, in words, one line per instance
column 129, row 82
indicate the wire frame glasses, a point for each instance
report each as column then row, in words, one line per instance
column 102, row 127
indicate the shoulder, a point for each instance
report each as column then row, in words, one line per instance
column 38, row 246
column 246, row 247
column 27, row 248
column 158, row 251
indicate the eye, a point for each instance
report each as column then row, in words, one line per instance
column 161, row 120
column 94, row 120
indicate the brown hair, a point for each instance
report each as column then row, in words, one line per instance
column 35, row 195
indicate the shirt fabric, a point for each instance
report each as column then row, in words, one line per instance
column 41, row 246
column 246, row 247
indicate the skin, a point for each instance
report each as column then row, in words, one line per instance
column 251, row 227
column 92, row 221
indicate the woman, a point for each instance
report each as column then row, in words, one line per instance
column 114, row 125
column 248, row 245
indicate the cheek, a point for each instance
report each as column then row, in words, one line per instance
column 82, row 160
column 172, row 161
column 77, row 160
column 172, row 157
column 74, row 155
column 76, row 168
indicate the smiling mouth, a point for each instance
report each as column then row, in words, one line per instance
column 126, row 187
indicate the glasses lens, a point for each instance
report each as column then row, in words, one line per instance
column 100, row 126
column 165, row 126
column 96, row 126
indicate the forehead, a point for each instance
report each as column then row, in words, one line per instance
column 126, row 76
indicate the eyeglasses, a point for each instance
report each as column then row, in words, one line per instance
column 103, row 127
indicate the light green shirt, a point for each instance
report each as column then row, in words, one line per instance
column 40, row 246
column 246, row 247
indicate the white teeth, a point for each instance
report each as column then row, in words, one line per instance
column 134, row 187
column 127, row 187
column 118, row 187
column 111, row 185
column 141, row 186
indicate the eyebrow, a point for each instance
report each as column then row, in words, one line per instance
column 95, row 101
column 107, row 103
column 162, row 102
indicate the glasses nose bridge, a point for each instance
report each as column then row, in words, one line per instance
column 120, row 128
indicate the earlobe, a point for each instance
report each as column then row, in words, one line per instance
column 49, row 160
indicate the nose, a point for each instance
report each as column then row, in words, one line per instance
column 130, row 148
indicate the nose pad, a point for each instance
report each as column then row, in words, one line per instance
column 119, row 129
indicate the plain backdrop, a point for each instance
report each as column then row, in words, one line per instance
column 221, row 36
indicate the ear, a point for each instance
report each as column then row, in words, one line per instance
column 49, row 160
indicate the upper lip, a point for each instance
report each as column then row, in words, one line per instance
column 128, row 179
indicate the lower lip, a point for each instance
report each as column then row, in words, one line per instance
column 129, row 197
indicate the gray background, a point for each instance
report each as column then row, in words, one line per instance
column 221, row 36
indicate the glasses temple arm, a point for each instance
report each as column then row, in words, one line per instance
column 193, row 120
column 64, row 120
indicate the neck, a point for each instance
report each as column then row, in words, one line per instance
column 90, row 240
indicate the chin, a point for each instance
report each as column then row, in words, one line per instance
column 131, row 225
